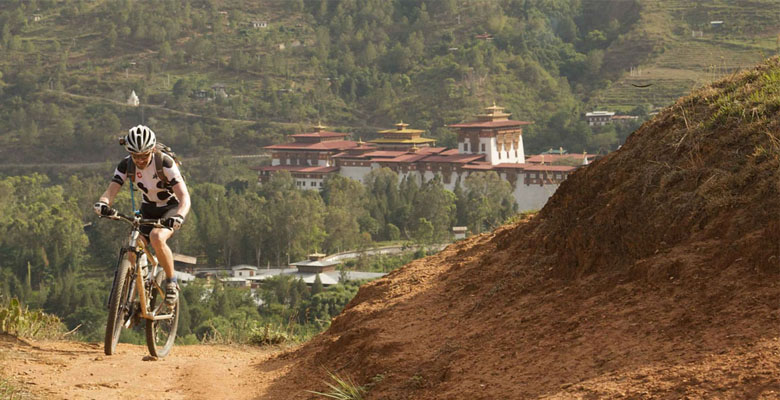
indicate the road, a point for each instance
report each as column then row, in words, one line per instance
column 76, row 370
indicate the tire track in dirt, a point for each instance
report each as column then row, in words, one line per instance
column 75, row 370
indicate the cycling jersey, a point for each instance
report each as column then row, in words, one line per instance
column 146, row 179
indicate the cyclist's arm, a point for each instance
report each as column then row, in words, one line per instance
column 181, row 192
column 110, row 193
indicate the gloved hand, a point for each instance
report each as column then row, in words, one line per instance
column 174, row 222
column 103, row 209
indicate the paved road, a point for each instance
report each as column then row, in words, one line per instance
column 381, row 250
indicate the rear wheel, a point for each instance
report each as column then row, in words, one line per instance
column 160, row 334
column 118, row 305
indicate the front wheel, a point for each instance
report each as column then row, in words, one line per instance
column 117, row 304
column 160, row 334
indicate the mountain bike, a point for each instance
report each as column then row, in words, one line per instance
column 144, row 279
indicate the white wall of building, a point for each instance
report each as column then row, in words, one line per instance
column 531, row 197
column 354, row 172
column 308, row 183
column 491, row 150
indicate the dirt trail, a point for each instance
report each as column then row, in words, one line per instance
column 73, row 370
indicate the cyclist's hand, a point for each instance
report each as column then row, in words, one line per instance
column 174, row 222
column 103, row 209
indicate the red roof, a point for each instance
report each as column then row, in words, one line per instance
column 328, row 145
column 385, row 153
column 455, row 158
column 536, row 167
column 482, row 166
column 298, row 168
column 406, row 158
column 551, row 158
column 321, row 134
column 490, row 124
column 429, row 150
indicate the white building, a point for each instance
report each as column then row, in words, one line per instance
column 599, row 118
column 491, row 143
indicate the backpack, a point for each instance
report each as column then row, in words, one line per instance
column 159, row 150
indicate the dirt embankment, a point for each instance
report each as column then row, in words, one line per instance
column 653, row 273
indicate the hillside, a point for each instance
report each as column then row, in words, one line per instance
column 674, row 48
column 652, row 273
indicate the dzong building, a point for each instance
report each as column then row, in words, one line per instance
column 492, row 142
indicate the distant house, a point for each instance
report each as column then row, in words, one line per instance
column 184, row 263
column 599, row 118
column 459, row 232
column 259, row 24
column 37, row 17
column 716, row 24
column 201, row 94
column 484, row 36
column 308, row 270
column 244, row 271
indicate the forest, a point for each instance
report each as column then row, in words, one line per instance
column 213, row 82
column 56, row 254
column 205, row 77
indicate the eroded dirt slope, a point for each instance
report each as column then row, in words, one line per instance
column 652, row 273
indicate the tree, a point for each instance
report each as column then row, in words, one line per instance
column 317, row 287
column 435, row 206
column 490, row 201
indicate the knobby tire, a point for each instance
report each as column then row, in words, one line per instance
column 116, row 305
column 161, row 334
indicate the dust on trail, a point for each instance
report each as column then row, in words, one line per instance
column 75, row 370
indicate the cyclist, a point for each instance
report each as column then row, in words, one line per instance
column 171, row 203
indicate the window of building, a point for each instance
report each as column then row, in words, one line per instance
column 483, row 147
column 313, row 183
column 465, row 147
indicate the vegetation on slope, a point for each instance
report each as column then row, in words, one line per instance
column 356, row 65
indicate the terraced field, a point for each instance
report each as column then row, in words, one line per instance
column 676, row 61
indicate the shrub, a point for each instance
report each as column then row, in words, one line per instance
column 20, row 321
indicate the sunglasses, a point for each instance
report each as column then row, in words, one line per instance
column 141, row 156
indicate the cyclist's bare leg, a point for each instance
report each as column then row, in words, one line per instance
column 159, row 238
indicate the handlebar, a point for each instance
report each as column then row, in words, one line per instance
column 136, row 220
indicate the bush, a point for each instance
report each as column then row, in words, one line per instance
column 19, row 321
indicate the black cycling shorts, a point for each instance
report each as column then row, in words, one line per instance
column 149, row 210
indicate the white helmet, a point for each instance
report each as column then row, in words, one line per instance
column 140, row 139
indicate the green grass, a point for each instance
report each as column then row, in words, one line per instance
column 9, row 391
column 342, row 388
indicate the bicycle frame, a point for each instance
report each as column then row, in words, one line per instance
column 138, row 247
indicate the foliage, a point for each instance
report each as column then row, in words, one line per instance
column 8, row 390
column 342, row 388
column 356, row 63
column 18, row 320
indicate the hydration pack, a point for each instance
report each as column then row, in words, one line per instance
column 160, row 150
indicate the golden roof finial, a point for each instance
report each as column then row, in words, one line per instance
column 319, row 127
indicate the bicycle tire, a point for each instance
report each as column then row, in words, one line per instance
column 161, row 334
column 116, row 305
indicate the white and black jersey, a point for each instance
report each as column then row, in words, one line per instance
column 154, row 193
